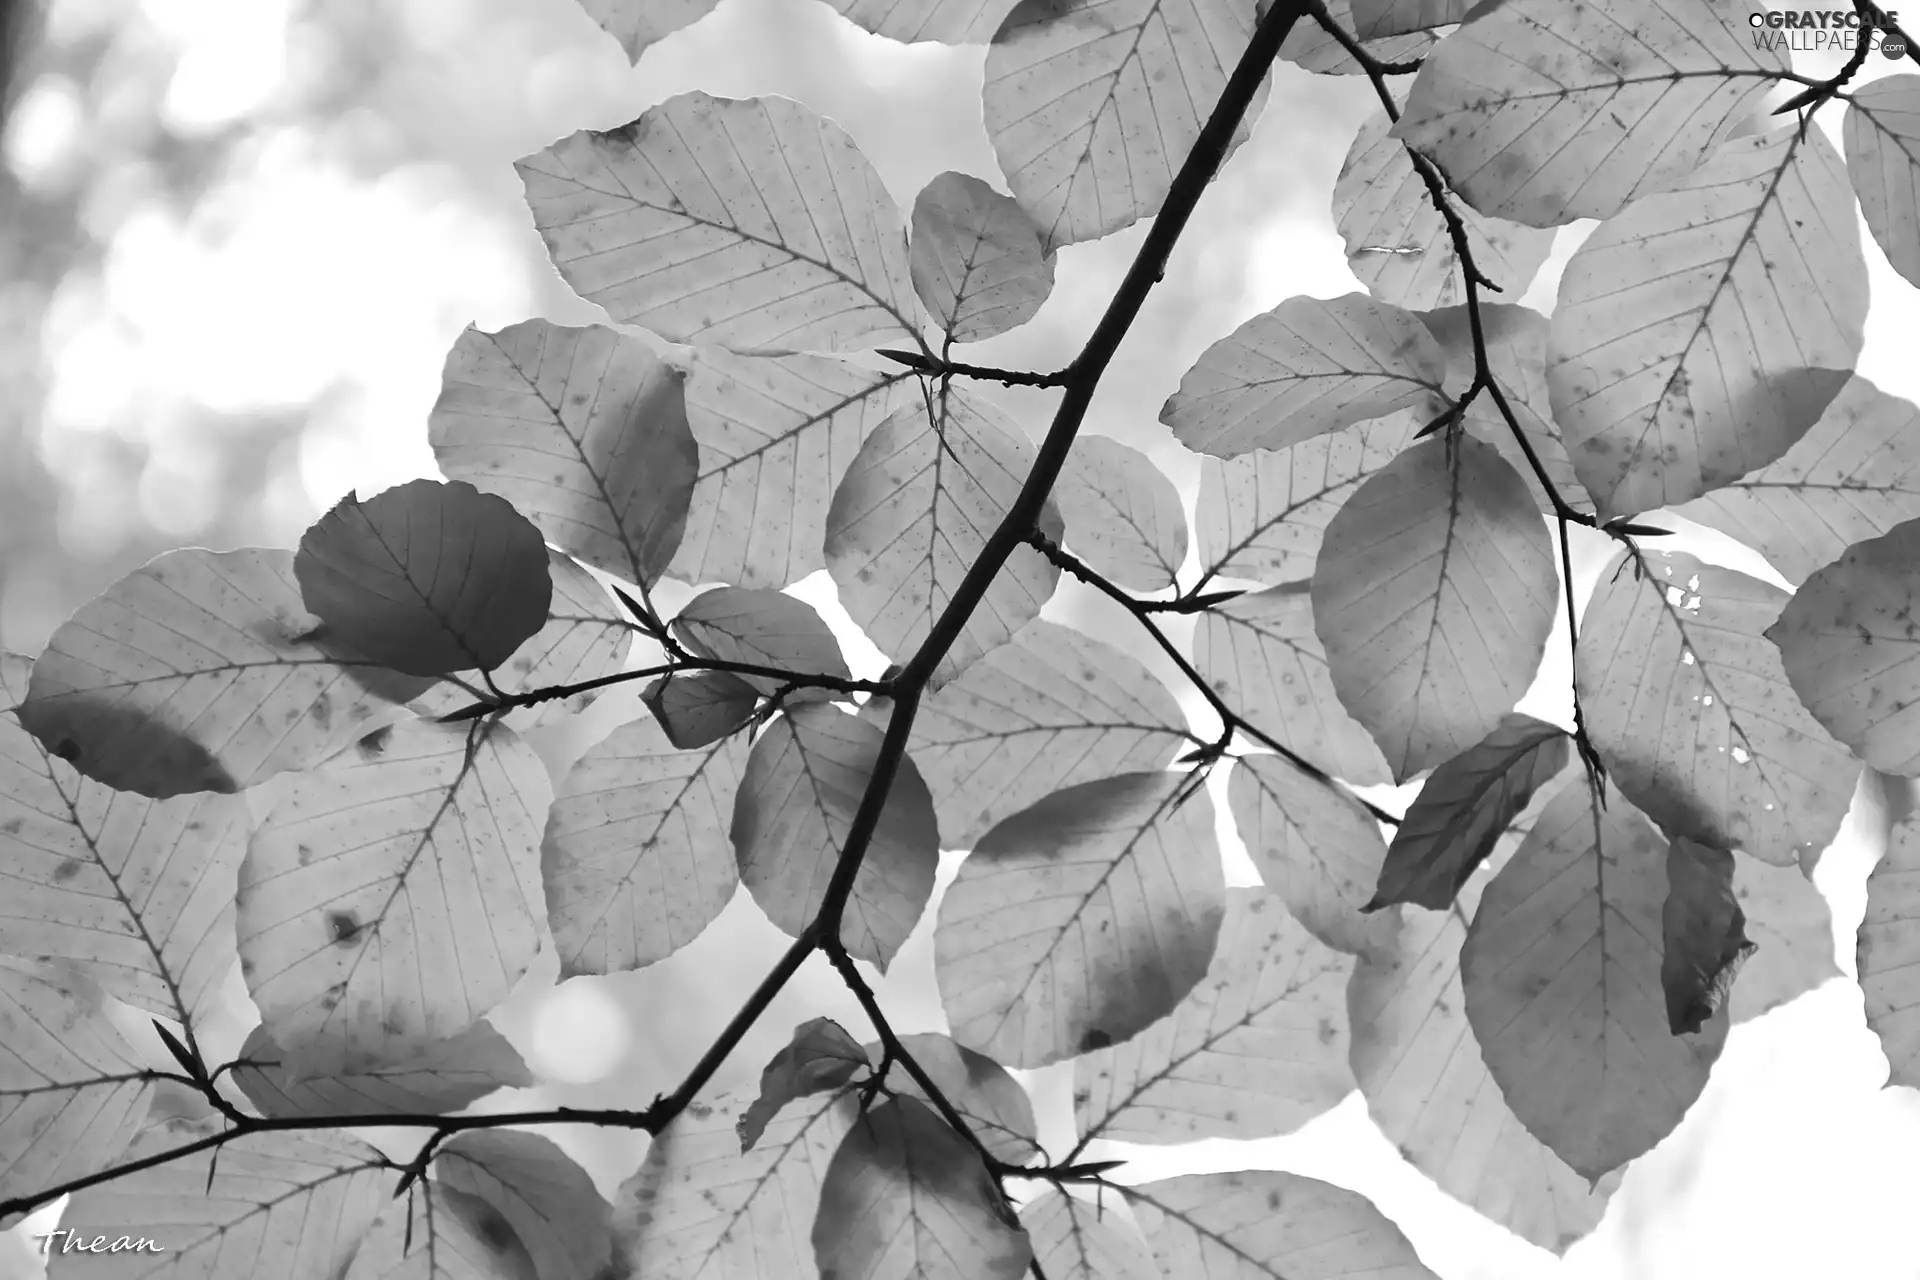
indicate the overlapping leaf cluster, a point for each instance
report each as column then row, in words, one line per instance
column 1391, row 484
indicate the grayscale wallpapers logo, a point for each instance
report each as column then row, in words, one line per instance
column 1818, row 30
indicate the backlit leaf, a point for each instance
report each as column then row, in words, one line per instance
column 1051, row 708
column 766, row 628
column 427, row 578
column 1092, row 108
column 1373, row 19
column 1261, row 654
column 753, row 224
column 1075, row 1240
column 1543, row 114
column 1883, row 159
column 583, row 430
column 449, row 1075
column 1850, row 645
column 1078, row 922
column 1888, row 941
column 1267, row 1225
column 393, row 895
column 72, row 1090
column 821, row 1057
column 1690, row 709
column 1561, row 969
column 1452, row 825
column 202, row 671
column 1314, row 845
column 437, row 1233
column 1309, row 47
column 1123, row 516
column 1434, row 595
column 913, row 514
column 637, row 24
column 803, row 783
column 1307, row 367
column 698, row 708
column 978, row 263
column 947, row 21
column 1399, row 246
column 995, row 1105
column 1789, row 919
column 549, row 1200
column 1255, row 1051
column 1703, row 938
column 1701, row 332
column 907, row 1199
column 1853, row 476
column 637, row 858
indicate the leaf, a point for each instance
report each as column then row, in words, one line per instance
column 157, row 686
column 1691, row 711
column 1434, row 596
column 1397, row 243
column 392, row 896
column 752, row 224
column 947, row 21
column 1091, row 108
column 978, row 263
column 1255, row 1051
column 1307, row 367
column 438, row 1233
column 700, row 1209
column 995, row 1105
column 1263, row 1223
column 586, row 637
column 907, row 1199
column 803, row 783
column 1123, row 515
column 1314, row 845
column 448, row 1076
column 637, row 858
column 821, row 1057
column 637, row 24
column 1701, row 332
column 775, row 436
column 583, row 430
column 294, row 1206
column 1261, row 515
column 1561, row 969
column 1428, row 1088
column 1310, row 48
column 1078, row 922
column 426, row 578
column 1703, row 935
column 914, row 514
column 1051, row 708
column 1790, row 921
column 1373, row 19
column 1850, row 478
column 766, row 628
column 699, row 708
column 72, row 1090
column 1882, row 135
column 1260, row 654
column 1075, row 1240
column 549, row 1200
column 1465, row 807
column 1885, row 951
column 1544, row 115
column 1849, row 645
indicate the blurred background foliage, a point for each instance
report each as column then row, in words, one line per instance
column 239, row 238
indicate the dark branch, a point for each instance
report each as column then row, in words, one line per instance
column 939, row 367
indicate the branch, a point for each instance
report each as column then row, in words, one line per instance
column 939, row 367
column 684, row 662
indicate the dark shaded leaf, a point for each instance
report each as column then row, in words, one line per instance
column 821, row 1057
column 1703, row 935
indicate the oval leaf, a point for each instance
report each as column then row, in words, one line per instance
column 821, row 1057
column 699, row 708
column 977, row 259
column 393, row 896
column 1255, row 1051
column 753, row 223
column 1434, row 596
column 803, row 783
column 1883, row 158
column 448, row 1076
column 1885, row 949
column 1544, row 114
column 1691, row 711
column 1077, row 923
column 947, row 21
column 1562, row 977
column 637, row 859
column 160, row 684
column 1789, row 919
column 582, row 430
column 1700, row 333
column 1703, row 935
column 995, row 1105
column 1123, row 515
column 1075, row 1240
column 913, row 514
column 1373, row 19
column 906, row 1198
column 1307, row 367
column 549, row 1200
column 638, row 26
column 765, row 628
column 438, row 1233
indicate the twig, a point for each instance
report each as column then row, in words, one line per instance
column 941, row 367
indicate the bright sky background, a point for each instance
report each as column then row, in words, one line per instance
column 306, row 283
